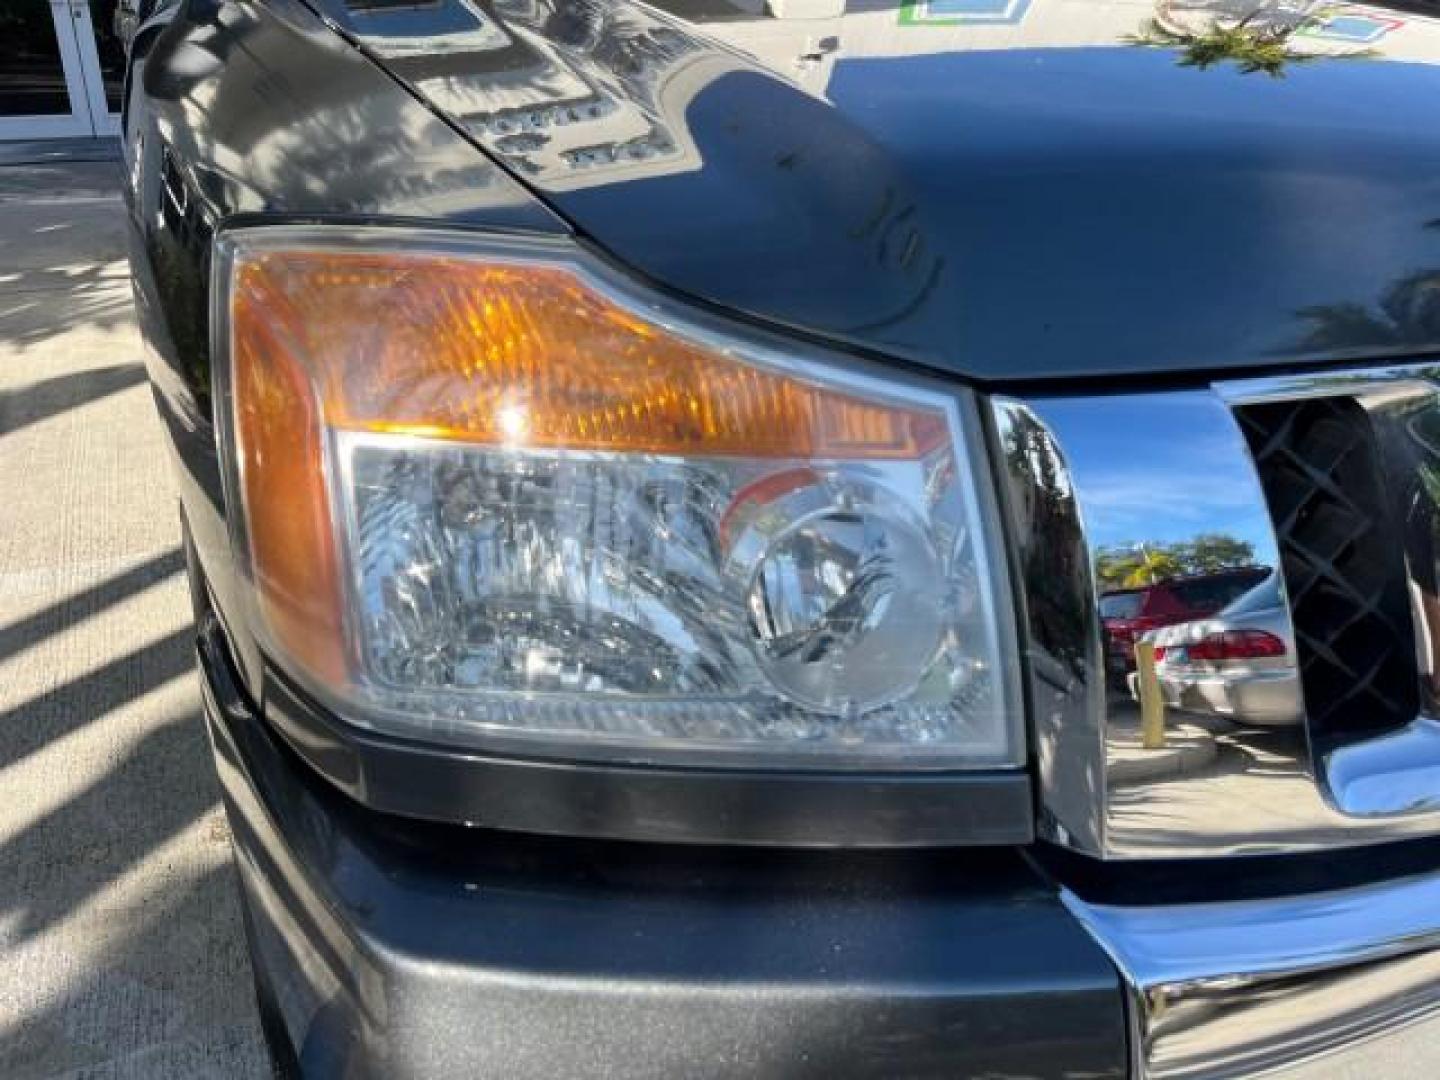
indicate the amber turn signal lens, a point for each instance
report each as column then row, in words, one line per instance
column 493, row 352
column 530, row 355
column 280, row 447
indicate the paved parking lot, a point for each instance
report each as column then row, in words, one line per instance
column 121, row 953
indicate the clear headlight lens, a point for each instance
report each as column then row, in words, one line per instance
column 490, row 498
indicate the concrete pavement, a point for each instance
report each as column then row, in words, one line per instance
column 121, row 953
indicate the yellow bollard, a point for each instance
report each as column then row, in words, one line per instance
column 1152, row 701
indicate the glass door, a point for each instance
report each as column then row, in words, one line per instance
column 102, row 62
column 60, row 69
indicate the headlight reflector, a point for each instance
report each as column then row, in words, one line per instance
column 491, row 498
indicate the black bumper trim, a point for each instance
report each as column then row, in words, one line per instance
column 398, row 948
column 668, row 805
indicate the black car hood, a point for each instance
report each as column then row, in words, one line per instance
column 1002, row 189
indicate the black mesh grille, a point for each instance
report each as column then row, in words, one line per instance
column 1343, row 563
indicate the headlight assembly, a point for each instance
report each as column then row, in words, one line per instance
column 488, row 493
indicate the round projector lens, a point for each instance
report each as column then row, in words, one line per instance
column 846, row 608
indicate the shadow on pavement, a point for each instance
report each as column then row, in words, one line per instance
column 42, row 400
column 121, row 952
column 45, row 304
column 27, row 632
column 32, row 725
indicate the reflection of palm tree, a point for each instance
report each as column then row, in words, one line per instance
column 1253, row 46
column 1146, row 562
column 1151, row 566
column 1408, row 314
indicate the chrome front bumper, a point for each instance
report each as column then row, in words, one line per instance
column 1329, row 985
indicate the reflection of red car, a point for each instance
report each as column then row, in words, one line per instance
column 1129, row 613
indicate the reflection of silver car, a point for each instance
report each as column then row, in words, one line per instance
column 1239, row 663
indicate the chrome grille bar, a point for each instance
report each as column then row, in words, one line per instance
column 1087, row 476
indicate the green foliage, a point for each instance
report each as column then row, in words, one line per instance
column 1252, row 48
column 1214, row 551
column 1133, row 566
